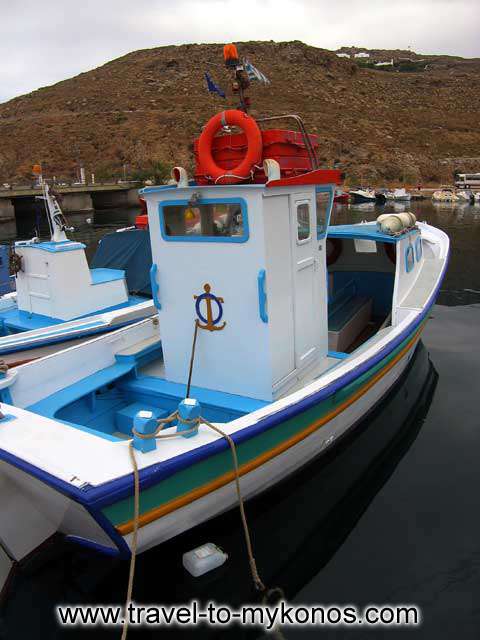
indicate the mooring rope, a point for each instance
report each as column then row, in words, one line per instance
column 257, row 581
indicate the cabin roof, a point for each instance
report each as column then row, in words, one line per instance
column 364, row 231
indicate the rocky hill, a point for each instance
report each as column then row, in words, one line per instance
column 149, row 105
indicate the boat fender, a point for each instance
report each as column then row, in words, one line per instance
column 180, row 176
column 391, row 225
column 243, row 171
column 405, row 218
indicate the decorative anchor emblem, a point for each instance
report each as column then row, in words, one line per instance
column 210, row 321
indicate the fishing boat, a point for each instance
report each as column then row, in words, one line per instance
column 276, row 333
column 445, row 195
column 58, row 298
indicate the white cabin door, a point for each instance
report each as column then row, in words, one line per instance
column 307, row 329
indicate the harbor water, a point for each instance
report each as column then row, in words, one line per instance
column 389, row 516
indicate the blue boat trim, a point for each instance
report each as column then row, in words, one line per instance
column 154, row 286
column 53, row 247
column 262, row 296
column 102, row 275
column 368, row 231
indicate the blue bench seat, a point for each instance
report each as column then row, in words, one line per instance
column 102, row 275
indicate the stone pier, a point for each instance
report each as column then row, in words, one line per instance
column 7, row 210
column 76, row 202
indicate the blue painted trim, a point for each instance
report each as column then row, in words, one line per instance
column 408, row 253
column 365, row 231
column 75, row 494
column 154, row 286
column 338, row 354
column 331, row 190
column 195, row 238
column 262, row 296
column 157, row 188
column 102, row 275
column 95, row 546
column 95, row 498
column 418, row 248
column 52, row 247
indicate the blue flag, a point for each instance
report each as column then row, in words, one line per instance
column 253, row 73
column 212, row 87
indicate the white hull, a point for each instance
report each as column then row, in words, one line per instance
column 268, row 474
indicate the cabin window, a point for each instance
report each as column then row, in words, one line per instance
column 303, row 221
column 204, row 220
column 323, row 201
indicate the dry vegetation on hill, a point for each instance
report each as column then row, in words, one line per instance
column 150, row 104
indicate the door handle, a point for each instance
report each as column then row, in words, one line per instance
column 154, row 286
column 262, row 296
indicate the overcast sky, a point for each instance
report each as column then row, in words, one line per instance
column 44, row 42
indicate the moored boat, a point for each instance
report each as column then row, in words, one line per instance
column 362, row 195
column 58, row 298
column 445, row 195
column 398, row 195
column 276, row 333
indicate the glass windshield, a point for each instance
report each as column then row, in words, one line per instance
column 211, row 220
column 323, row 202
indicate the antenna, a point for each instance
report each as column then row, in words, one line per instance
column 55, row 217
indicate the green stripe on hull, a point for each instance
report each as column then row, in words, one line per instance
column 205, row 471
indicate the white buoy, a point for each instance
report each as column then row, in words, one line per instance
column 203, row 559
column 391, row 224
column 413, row 218
column 405, row 218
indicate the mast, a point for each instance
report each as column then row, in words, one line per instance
column 55, row 216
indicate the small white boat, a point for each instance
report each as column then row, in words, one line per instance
column 58, row 298
column 362, row 195
column 445, row 195
column 398, row 195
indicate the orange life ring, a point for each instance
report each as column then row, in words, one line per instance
column 254, row 151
